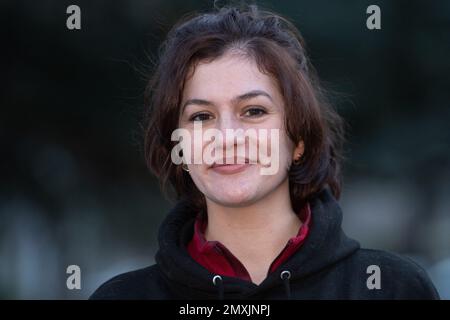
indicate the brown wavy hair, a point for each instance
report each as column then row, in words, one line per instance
column 279, row 51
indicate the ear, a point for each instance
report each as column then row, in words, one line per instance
column 298, row 151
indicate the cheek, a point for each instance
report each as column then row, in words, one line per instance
column 279, row 149
column 285, row 154
column 286, row 148
column 197, row 174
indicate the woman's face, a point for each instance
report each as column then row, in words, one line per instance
column 232, row 93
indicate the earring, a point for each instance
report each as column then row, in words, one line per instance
column 185, row 167
column 298, row 160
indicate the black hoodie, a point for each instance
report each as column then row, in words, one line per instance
column 329, row 265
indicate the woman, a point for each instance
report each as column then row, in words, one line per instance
column 238, row 232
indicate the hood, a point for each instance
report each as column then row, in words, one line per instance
column 325, row 245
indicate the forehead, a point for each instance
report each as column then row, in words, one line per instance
column 226, row 77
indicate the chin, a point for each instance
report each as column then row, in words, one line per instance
column 237, row 197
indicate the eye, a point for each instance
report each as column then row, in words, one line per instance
column 255, row 112
column 200, row 117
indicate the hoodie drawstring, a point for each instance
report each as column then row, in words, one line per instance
column 285, row 276
column 218, row 282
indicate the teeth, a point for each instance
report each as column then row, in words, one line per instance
column 232, row 162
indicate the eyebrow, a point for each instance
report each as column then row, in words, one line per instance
column 246, row 96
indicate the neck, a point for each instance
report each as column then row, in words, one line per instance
column 255, row 233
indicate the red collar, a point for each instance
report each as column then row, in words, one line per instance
column 215, row 257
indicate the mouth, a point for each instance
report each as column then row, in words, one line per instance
column 231, row 167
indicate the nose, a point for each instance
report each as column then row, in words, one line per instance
column 228, row 120
column 232, row 131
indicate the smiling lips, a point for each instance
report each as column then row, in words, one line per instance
column 231, row 167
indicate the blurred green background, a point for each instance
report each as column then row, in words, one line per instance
column 74, row 188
